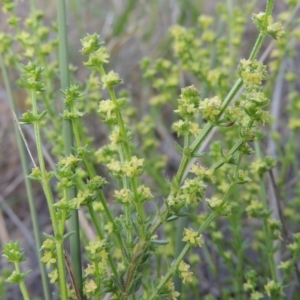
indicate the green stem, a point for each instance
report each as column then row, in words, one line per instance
column 22, row 284
column 236, row 221
column 101, row 235
column 95, row 221
column 187, row 247
column 183, row 222
column 63, row 219
column 206, row 130
column 91, row 174
column 266, row 229
column 234, row 90
column 68, row 137
column 262, row 35
column 50, row 201
column 126, row 149
column 28, row 185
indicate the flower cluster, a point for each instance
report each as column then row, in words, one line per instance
column 184, row 272
column 31, row 77
column 132, row 168
column 262, row 166
column 191, row 191
column 268, row 27
column 189, row 105
column 203, row 173
column 188, row 102
column 164, row 77
column 252, row 72
column 111, row 79
column 108, row 110
column 49, row 258
column 98, row 55
column 98, row 255
column 193, row 237
column 13, row 253
column 210, row 109
column 250, row 285
column 65, row 171
column 274, row 289
column 218, row 206
column 171, row 289
column 256, row 210
column 183, row 127
column 5, row 42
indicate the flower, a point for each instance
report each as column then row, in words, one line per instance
column 192, row 237
column 210, row 108
column 95, row 246
column 123, row 196
column 252, row 72
column 111, row 79
column 90, row 287
column 184, row 273
column 53, row 276
column 48, row 258
column 90, row 43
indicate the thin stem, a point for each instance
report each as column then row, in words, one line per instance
column 237, row 231
column 188, row 246
column 91, row 174
column 286, row 237
column 95, row 221
column 126, row 149
column 28, row 185
column 101, row 235
column 262, row 35
column 266, row 229
column 45, row 181
column 22, row 284
column 208, row 127
column 68, row 137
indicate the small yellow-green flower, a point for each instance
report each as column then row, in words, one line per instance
column 111, row 79
column 53, row 276
column 48, row 258
column 144, row 193
column 192, row 237
column 273, row 289
column 210, row 108
column 90, row 43
column 109, row 227
column 71, row 293
column 171, row 287
column 185, row 274
column 123, row 196
column 95, row 246
column 98, row 58
column 48, row 244
column 115, row 167
column 90, row 287
column 133, row 167
column 90, row 270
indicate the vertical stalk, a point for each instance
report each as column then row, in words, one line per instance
column 68, row 137
column 267, row 233
column 188, row 246
column 236, row 221
column 234, row 90
column 28, row 185
column 45, row 181
column 22, row 284
column 126, row 150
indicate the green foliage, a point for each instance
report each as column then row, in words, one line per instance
column 140, row 215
